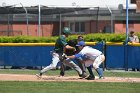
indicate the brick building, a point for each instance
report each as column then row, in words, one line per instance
column 82, row 20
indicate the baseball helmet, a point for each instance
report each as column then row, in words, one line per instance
column 66, row 30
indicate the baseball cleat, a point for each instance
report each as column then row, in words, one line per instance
column 82, row 75
column 101, row 77
column 90, row 77
column 38, row 76
column 60, row 76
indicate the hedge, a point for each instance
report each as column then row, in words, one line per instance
column 98, row 37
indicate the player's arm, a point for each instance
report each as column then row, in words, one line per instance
column 69, row 47
column 74, row 56
column 66, row 46
column 71, row 57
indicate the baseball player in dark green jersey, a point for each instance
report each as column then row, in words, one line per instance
column 60, row 46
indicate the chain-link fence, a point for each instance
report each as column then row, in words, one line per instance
column 17, row 21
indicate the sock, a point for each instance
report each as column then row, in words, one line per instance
column 100, row 72
column 90, row 71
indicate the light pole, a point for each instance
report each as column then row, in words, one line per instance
column 60, row 24
column 111, row 19
column 8, row 18
column 39, row 15
column 126, row 41
column 27, row 21
column 126, row 22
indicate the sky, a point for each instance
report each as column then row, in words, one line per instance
column 63, row 3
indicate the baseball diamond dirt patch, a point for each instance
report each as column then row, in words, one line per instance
column 21, row 77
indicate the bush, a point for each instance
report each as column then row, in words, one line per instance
column 97, row 37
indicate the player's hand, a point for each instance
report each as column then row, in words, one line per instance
column 63, row 57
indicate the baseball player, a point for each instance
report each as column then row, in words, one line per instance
column 60, row 46
column 90, row 57
column 79, row 61
column 70, row 52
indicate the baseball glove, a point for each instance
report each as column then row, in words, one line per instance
column 63, row 57
column 70, row 52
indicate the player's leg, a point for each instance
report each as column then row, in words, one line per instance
column 62, row 69
column 82, row 66
column 55, row 60
column 70, row 63
column 88, row 64
column 91, row 75
column 97, row 63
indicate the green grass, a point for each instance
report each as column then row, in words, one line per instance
column 70, row 72
column 68, row 87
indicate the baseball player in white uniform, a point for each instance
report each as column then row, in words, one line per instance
column 91, row 56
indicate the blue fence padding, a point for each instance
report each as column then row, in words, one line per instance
column 115, row 56
column 28, row 55
column 98, row 46
column 133, row 56
column 25, row 55
column 40, row 55
column 2, row 56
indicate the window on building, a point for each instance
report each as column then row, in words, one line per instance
column 133, row 1
column 77, row 27
column 72, row 26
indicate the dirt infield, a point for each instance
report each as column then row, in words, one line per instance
column 21, row 77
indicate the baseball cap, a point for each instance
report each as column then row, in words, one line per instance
column 81, row 43
column 66, row 30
